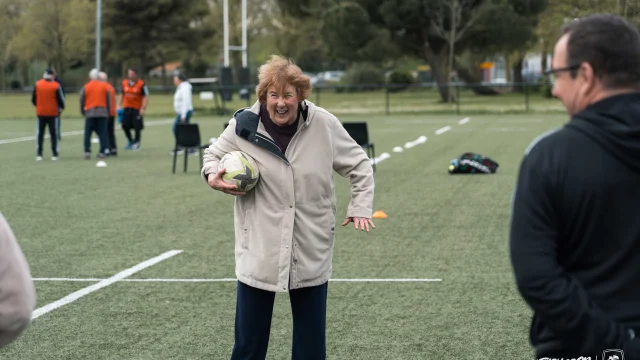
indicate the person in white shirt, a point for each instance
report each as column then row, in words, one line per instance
column 182, row 105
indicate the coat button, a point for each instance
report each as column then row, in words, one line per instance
column 284, row 288
column 290, row 206
column 287, row 246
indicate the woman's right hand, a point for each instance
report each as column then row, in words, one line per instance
column 216, row 182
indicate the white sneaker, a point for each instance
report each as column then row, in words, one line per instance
column 54, row 158
column 39, row 158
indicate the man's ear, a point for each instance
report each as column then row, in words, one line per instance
column 589, row 77
column 587, row 73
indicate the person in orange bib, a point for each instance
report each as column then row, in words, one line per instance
column 111, row 121
column 133, row 99
column 95, row 102
column 49, row 100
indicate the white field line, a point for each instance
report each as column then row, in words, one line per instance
column 411, row 144
column 421, row 140
column 229, row 280
column 378, row 159
column 79, row 132
column 102, row 283
column 443, row 130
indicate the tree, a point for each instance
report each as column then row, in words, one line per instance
column 10, row 13
column 145, row 33
column 437, row 31
column 447, row 16
column 357, row 39
column 57, row 31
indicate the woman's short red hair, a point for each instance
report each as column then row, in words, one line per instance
column 278, row 72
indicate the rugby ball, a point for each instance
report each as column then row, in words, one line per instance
column 240, row 169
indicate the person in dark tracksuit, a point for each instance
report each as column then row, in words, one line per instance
column 575, row 229
column 49, row 100
column 95, row 102
column 111, row 121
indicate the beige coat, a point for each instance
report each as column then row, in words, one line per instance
column 284, row 227
column 17, row 292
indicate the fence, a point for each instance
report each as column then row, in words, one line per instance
column 379, row 99
column 420, row 98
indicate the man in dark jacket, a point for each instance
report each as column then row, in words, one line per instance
column 575, row 227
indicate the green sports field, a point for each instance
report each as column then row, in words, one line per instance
column 432, row 281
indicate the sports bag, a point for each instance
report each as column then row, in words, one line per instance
column 472, row 163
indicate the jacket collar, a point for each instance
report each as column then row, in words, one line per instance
column 306, row 107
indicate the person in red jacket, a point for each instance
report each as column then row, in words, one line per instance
column 49, row 101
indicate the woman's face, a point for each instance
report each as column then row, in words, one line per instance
column 283, row 108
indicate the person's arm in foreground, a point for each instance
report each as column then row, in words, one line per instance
column 350, row 160
column 211, row 158
column 555, row 296
column 17, row 292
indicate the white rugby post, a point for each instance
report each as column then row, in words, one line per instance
column 98, row 34
column 227, row 47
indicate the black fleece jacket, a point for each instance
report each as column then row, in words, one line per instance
column 575, row 233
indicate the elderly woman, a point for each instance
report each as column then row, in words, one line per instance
column 284, row 227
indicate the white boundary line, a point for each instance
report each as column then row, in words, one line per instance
column 411, row 144
column 443, row 130
column 78, row 132
column 103, row 283
column 227, row 280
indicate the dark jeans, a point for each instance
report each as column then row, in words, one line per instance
column 254, row 308
column 52, row 123
column 111, row 131
column 99, row 125
column 132, row 120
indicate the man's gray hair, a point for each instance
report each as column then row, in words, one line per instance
column 93, row 74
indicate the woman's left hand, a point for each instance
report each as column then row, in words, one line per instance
column 359, row 223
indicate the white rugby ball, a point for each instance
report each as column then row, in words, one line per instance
column 240, row 169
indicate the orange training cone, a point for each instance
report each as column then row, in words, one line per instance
column 379, row 215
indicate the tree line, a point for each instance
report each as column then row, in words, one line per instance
column 448, row 35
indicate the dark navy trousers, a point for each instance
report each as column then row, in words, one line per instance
column 254, row 309
column 99, row 125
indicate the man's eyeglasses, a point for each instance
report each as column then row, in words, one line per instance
column 551, row 73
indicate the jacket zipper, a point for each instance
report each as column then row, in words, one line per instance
column 264, row 138
column 296, row 134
